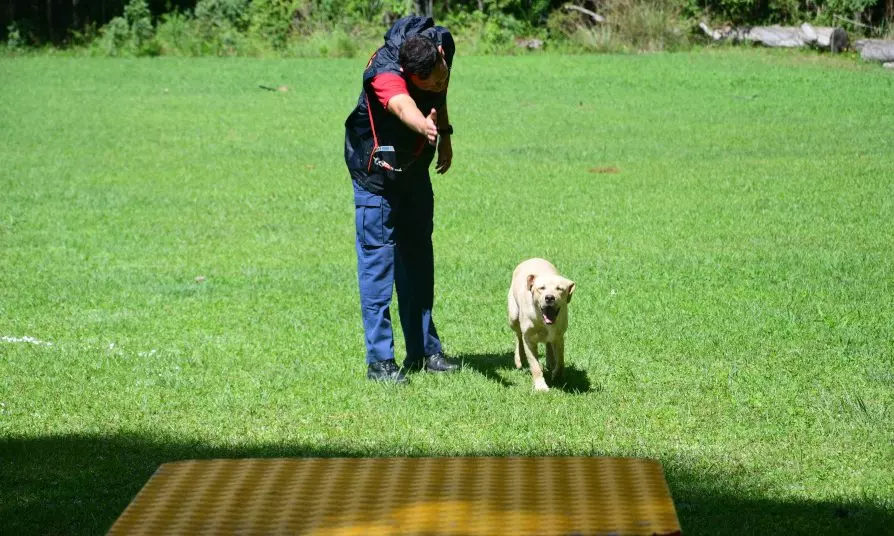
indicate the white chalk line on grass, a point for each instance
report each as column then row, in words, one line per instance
column 29, row 340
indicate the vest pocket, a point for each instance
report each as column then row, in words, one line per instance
column 384, row 160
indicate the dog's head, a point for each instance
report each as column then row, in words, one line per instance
column 551, row 294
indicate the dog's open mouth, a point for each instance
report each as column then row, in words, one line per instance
column 550, row 313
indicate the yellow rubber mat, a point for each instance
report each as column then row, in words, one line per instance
column 425, row 496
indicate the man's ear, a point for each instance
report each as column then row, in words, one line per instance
column 531, row 279
column 571, row 286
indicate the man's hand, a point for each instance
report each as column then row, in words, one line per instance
column 445, row 155
column 431, row 127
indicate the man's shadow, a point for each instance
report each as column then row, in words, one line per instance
column 495, row 366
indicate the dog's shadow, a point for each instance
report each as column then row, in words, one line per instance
column 494, row 367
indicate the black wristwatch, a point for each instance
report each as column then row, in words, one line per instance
column 446, row 130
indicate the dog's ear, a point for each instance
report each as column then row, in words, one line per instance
column 570, row 289
column 531, row 278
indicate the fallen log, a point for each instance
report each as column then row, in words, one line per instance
column 592, row 14
column 832, row 39
column 876, row 49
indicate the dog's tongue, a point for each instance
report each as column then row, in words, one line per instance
column 550, row 313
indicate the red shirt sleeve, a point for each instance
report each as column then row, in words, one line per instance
column 387, row 85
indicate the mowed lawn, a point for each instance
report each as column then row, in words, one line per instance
column 177, row 277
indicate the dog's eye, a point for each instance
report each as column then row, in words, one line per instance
column 542, row 287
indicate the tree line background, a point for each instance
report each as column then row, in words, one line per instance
column 335, row 27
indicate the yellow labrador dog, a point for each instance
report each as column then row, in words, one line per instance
column 538, row 313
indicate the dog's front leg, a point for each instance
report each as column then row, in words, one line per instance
column 534, row 364
column 559, row 349
column 551, row 358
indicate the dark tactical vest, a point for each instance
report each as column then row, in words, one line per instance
column 371, row 126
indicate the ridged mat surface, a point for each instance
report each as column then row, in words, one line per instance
column 430, row 496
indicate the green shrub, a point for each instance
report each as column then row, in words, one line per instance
column 345, row 47
column 14, row 38
column 733, row 11
column 221, row 16
column 223, row 12
column 85, row 36
column 753, row 12
column 829, row 11
column 481, row 33
column 115, row 37
column 222, row 28
column 177, row 35
column 131, row 34
column 645, row 25
column 271, row 20
column 139, row 21
column 630, row 25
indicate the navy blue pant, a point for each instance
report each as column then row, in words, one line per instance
column 394, row 247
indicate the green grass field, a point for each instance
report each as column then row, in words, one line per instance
column 726, row 215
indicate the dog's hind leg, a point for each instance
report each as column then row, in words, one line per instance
column 519, row 349
column 530, row 348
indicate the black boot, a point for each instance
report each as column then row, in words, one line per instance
column 433, row 363
column 385, row 371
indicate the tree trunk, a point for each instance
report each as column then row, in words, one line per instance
column 75, row 16
column 423, row 7
column 50, row 33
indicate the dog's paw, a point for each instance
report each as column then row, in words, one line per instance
column 557, row 373
column 540, row 385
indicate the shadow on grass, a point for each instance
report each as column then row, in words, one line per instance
column 493, row 367
column 81, row 484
